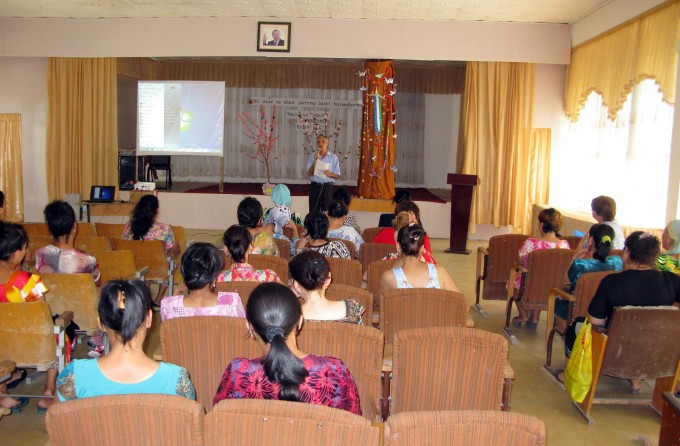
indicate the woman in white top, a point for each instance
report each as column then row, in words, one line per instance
column 337, row 216
column 413, row 273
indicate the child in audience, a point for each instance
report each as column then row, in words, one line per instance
column 201, row 264
column 274, row 318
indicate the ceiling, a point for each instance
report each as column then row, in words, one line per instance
column 525, row 11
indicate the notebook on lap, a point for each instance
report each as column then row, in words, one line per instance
column 102, row 194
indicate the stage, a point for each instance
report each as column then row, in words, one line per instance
column 201, row 206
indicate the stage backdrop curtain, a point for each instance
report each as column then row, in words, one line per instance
column 498, row 108
column 82, row 135
column 11, row 171
column 611, row 64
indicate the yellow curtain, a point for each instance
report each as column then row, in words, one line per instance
column 498, row 108
column 82, row 128
column 11, row 173
column 613, row 63
column 538, row 177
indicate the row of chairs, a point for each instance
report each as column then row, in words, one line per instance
column 171, row 420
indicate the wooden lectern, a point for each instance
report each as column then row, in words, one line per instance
column 461, row 202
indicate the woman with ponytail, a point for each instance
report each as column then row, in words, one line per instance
column 274, row 318
column 670, row 242
column 413, row 273
column 125, row 315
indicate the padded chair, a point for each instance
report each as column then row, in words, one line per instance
column 345, row 271
column 670, row 421
column 338, row 291
column 493, row 264
column 277, row 264
column 111, row 230
column 447, row 368
column 464, row 427
column 243, row 287
column 181, row 240
column 545, row 270
column 640, row 343
column 359, row 347
column 573, row 240
column 375, row 272
column 27, row 335
column 579, row 299
column 284, row 248
column 370, row 252
column 205, row 345
column 87, row 230
column 284, row 423
column 36, row 229
column 118, row 265
column 131, row 420
column 77, row 293
column 150, row 253
column 92, row 244
column 350, row 246
column 368, row 234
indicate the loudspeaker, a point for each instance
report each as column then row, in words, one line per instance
column 126, row 171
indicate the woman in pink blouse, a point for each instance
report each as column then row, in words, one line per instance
column 549, row 221
column 285, row 373
column 238, row 244
column 201, row 264
column 143, row 225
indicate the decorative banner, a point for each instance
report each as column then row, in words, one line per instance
column 378, row 136
column 302, row 102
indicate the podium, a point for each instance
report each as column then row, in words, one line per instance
column 461, row 203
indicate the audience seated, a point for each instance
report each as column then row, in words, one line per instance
column 19, row 286
column 337, row 215
column 143, row 226
column 281, row 197
column 238, row 244
column 413, row 273
column 275, row 220
column 274, row 317
column 343, row 195
column 385, row 220
column 387, row 235
column 249, row 214
column 125, row 314
column 201, row 264
column 670, row 242
column 549, row 221
column 595, row 258
column 404, row 219
column 316, row 224
column 604, row 211
column 311, row 276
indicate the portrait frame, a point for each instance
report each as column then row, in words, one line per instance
column 265, row 37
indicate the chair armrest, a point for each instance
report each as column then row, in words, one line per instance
column 482, row 262
column 64, row 319
column 556, row 292
column 672, row 400
column 521, row 269
column 142, row 272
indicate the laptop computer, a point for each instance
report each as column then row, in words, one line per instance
column 102, row 194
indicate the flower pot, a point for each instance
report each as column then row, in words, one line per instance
column 267, row 188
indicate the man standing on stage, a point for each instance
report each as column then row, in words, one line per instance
column 323, row 168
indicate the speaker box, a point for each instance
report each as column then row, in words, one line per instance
column 126, row 171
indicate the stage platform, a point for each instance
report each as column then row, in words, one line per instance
column 186, row 204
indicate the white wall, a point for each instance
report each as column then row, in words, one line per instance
column 23, row 89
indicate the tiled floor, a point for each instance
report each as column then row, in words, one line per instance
column 533, row 392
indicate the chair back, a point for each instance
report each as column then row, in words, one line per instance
column 585, row 289
column 149, row 253
column 447, row 368
column 285, row 423
column 284, row 248
column 36, row 229
column 350, row 246
column 635, row 349
column 375, row 272
column 111, row 230
column 370, row 252
column 288, row 232
column 359, row 347
column 92, row 244
column 369, row 234
column 338, row 291
column 462, row 428
column 116, row 265
column 243, row 287
column 277, row 264
column 546, row 269
column 73, row 292
column 503, row 252
column 420, row 307
column 205, row 345
column 131, row 420
column 87, row 230
column 35, row 242
column 573, row 240
column 345, row 271
column 26, row 333
column 180, row 238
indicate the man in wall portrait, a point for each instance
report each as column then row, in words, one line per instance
column 276, row 39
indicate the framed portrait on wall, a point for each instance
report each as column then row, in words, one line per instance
column 273, row 36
